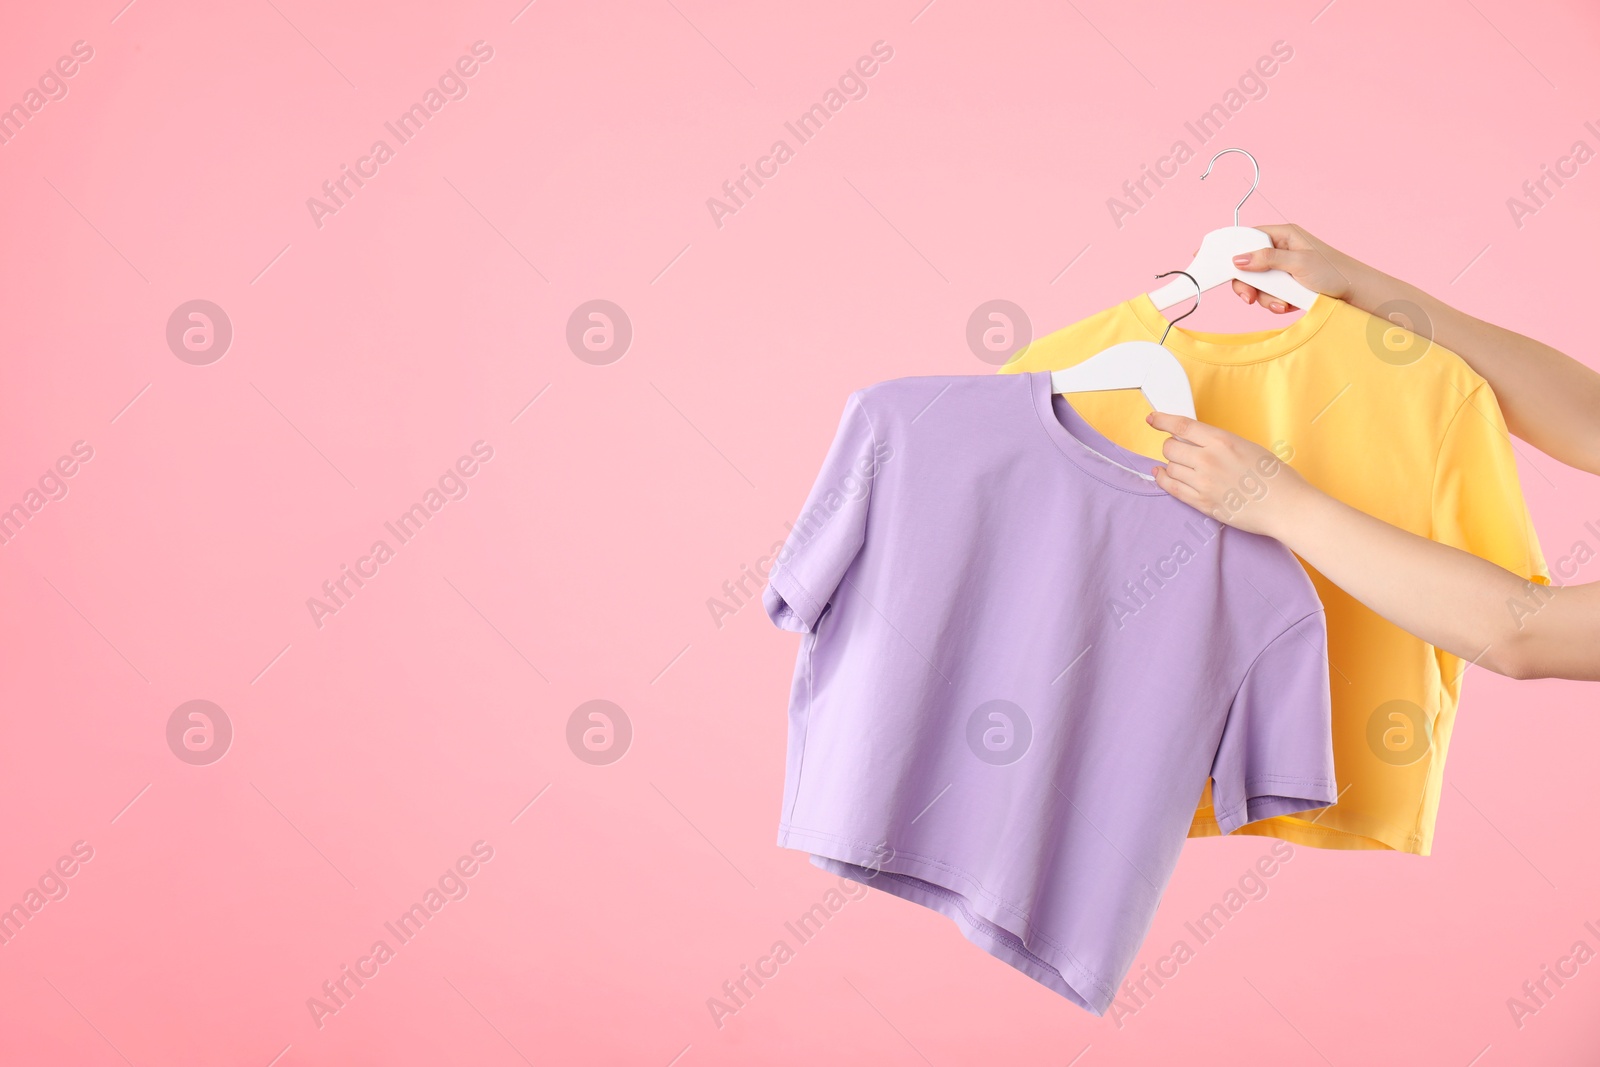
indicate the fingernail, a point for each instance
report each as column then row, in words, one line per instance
column 1279, row 305
column 1241, row 261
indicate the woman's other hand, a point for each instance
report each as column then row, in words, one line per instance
column 1313, row 264
column 1226, row 477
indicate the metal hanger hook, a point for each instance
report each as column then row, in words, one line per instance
column 1186, row 314
column 1253, row 184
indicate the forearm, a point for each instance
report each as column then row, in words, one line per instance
column 1549, row 399
column 1452, row 599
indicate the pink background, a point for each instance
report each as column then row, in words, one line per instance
column 372, row 352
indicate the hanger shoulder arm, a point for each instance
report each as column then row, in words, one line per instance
column 1142, row 365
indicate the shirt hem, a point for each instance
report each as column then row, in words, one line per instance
column 1272, row 802
column 1000, row 929
column 1356, row 835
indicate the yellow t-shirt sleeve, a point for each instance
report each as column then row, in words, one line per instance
column 1477, row 496
column 1477, row 502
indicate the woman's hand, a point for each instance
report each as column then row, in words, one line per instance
column 1307, row 260
column 1225, row 476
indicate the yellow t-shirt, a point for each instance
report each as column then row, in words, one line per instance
column 1389, row 423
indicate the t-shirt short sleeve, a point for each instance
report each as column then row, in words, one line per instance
column 831, row 529
column 1477, row 501
column 1276, row 755
column 1477, row 496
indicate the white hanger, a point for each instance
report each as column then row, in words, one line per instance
column 1213, row 264
column 1147, row 366
column 1143, row 365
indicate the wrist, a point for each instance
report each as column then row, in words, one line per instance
column 1290, row 503
column 1368, row 288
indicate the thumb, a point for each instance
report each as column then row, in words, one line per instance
column 1263, row 259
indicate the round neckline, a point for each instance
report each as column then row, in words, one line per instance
column 1088, row 449
column 1233, row 348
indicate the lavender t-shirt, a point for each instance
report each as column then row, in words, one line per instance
column 1021, row 663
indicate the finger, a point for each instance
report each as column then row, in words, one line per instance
column 1181, row 426
column 1175, row 488
column 1182, row 472
column 1181, row 452
column 1265, row 259
column 1247, row 292
column 1185, row 477
column 1295, row 263
column 1299, row 262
